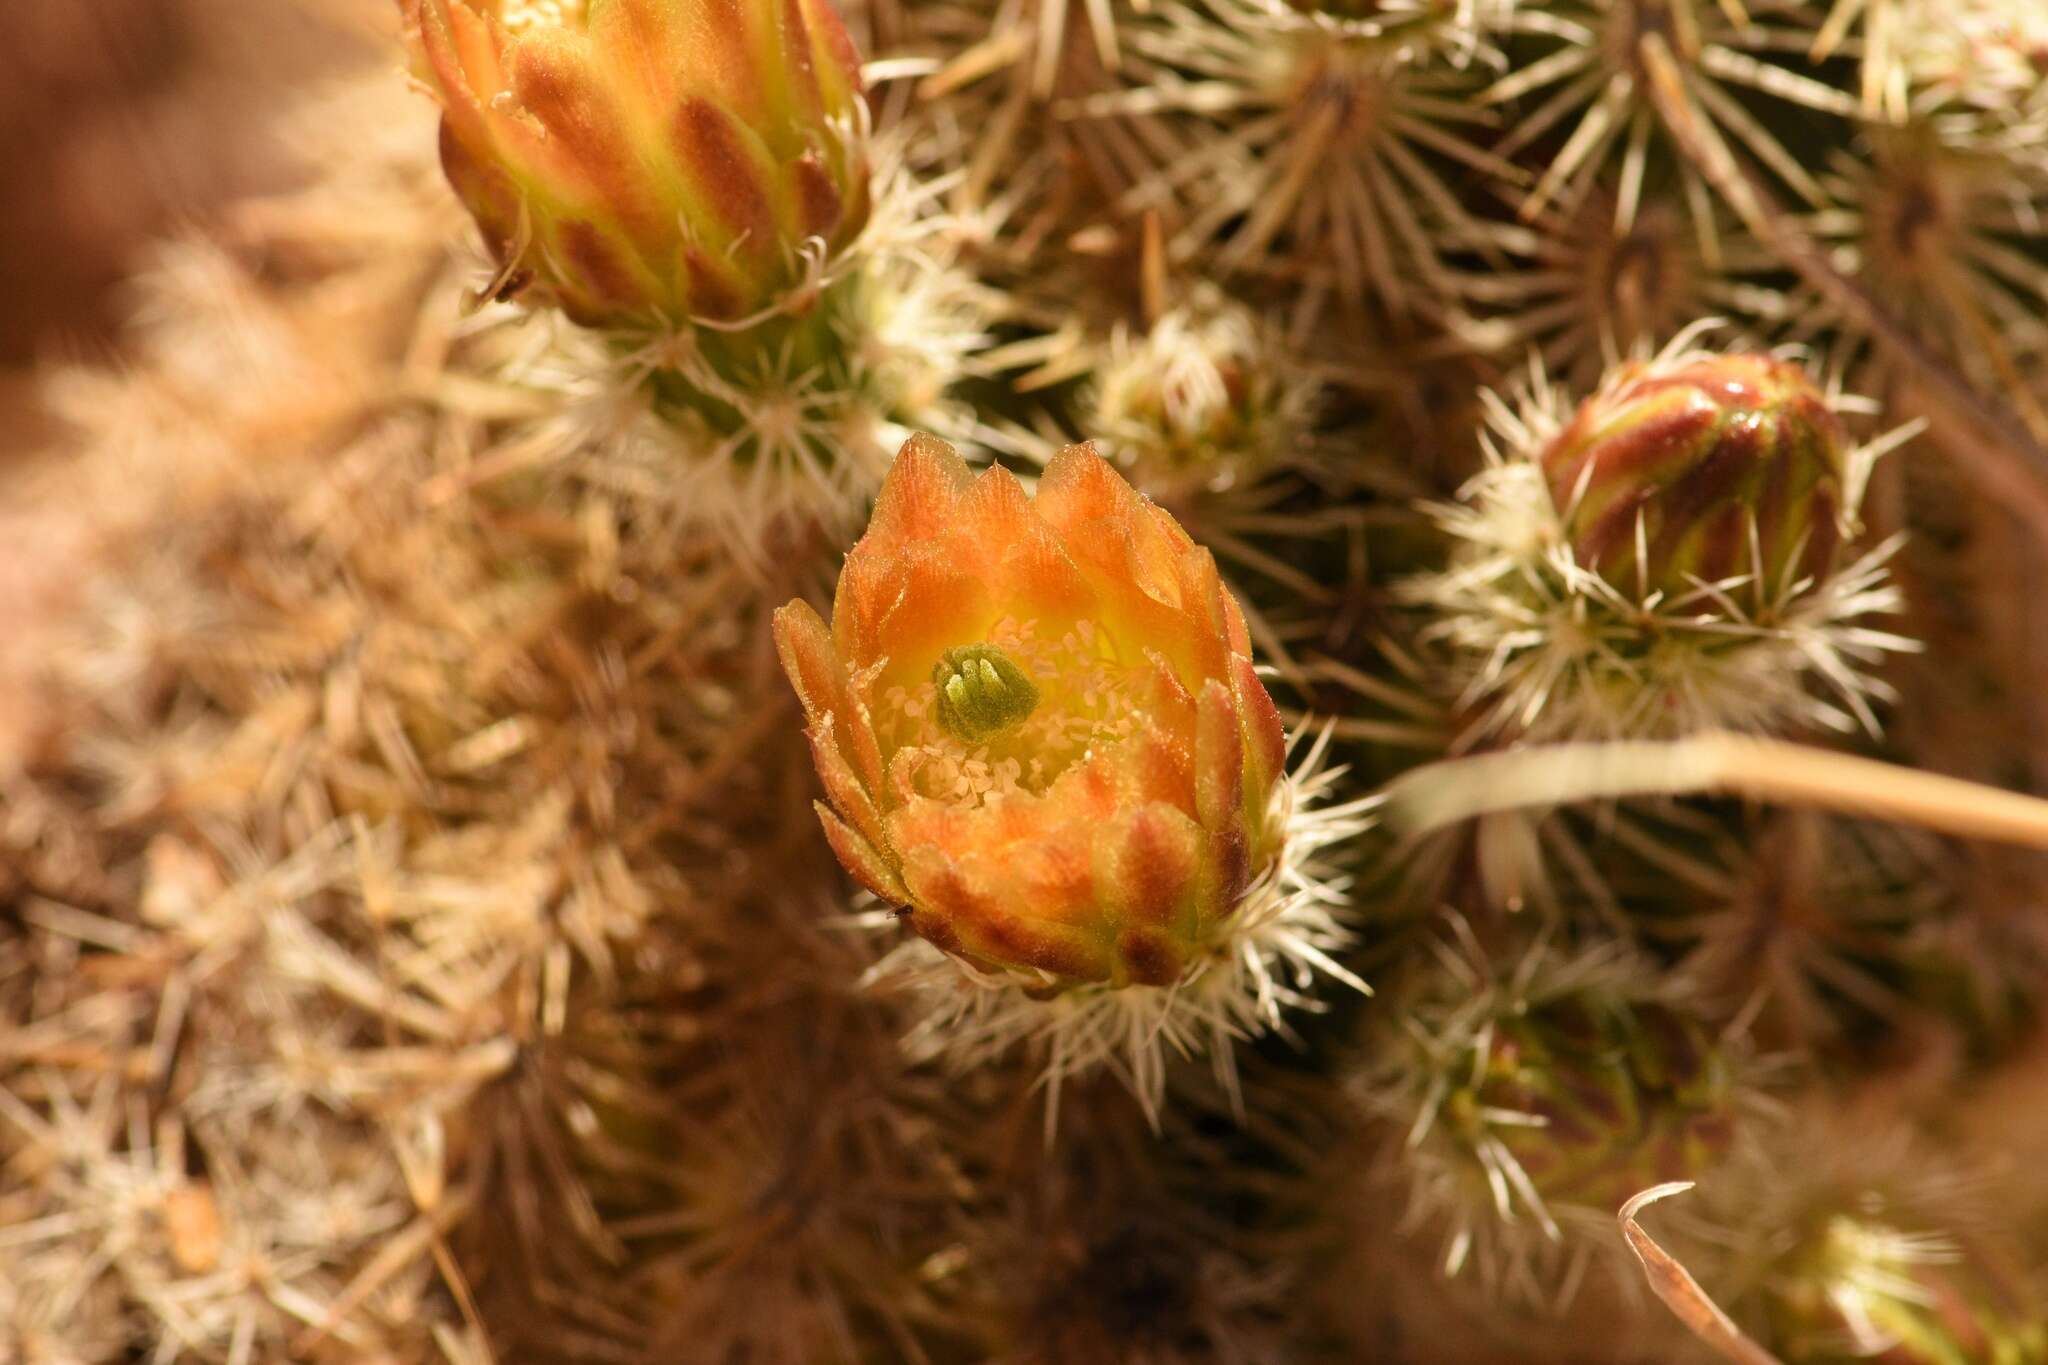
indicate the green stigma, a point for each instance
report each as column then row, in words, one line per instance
column 981, row 692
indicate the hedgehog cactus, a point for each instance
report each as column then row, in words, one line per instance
column 1621, row 1097
column 643, row 163
column 464, row 897
column 1536, row 1104
column 1856, row 1289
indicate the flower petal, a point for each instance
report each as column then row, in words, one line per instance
column 861, row 858
column 823, row 688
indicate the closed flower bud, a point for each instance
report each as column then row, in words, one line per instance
column 1037, row 723
column 644, row 162
column 1619, row 1095
column 1706, row 469
column 1627, row 1095
column 1845, row 1235
column 1668, row 556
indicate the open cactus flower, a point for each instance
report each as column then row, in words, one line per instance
column 1674, row 554
column 1045, row 747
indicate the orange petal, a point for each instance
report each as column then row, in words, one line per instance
column 819, row 676
column 840, row 58
column 1150, row 856
column 1219, row 759
column 860, row 858
column 963, row 912
column 814, row 668
column 731, row 175
column 484, row 189
column 939, row 601
column 799, row 69
column 451, row 40
column 919, row 497
column 843, row 787
column 1080, row 492
column 641, row 43
column 1264, row 732
column 605, row 275
column 578, row 140
column 1219, row 795
column 820, row 207
column 733, row 46
column 998, row 529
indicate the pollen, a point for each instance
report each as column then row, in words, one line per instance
column 1071, row 694
column 519, row 15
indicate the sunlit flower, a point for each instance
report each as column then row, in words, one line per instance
column 644, row 162
column 1043, row 741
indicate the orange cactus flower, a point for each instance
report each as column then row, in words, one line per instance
column 644, row 162
column 1038, row 725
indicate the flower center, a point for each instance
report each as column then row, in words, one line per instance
column 1010, row 713
column 981, row 693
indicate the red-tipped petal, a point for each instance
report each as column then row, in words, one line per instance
column 1265, row 733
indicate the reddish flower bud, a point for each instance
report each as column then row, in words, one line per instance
column 1715, row 467
column 642, row 161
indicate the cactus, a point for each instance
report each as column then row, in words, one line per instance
column 1531, row 1106
column 464, row 897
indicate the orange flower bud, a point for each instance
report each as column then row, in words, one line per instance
column 1037, row 722
column 642, row 161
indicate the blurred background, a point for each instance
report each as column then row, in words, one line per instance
column 125, row 122
column 127, row 119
